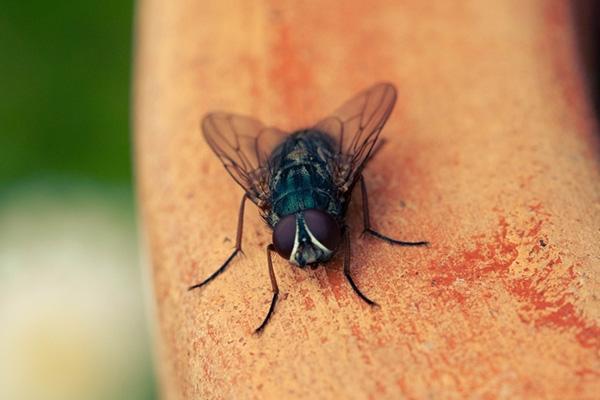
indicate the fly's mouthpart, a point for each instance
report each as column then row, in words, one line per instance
column 307, row 248
column 309, row 253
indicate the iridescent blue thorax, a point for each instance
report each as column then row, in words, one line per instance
column 301, row 176
column 305, row 202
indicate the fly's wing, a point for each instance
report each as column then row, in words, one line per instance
column 356, row 126
column 244, row 146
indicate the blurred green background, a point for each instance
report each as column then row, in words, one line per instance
column 72, row 309
column 65, row 70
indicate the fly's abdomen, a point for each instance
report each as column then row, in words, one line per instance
column 302, row 177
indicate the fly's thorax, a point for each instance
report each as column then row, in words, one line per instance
column 302, row 176
column 307, row 237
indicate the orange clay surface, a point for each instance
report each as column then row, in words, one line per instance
column 491, row 155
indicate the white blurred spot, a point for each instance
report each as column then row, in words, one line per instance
column 71, row 313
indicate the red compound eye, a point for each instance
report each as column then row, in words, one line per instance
column 324, row 228
column 284, row 235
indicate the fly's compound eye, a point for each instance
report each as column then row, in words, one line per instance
column 284, row 235
column 324, row 228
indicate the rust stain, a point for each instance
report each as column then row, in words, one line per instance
column 290, row 72
column 587, row 372
column 546, row 293
column 488, row 255
column 335, row 282
column 547, row 296
column 309, row 303
column 401, row 383
column 589, row 336
column 379, row 390
column 251, row 66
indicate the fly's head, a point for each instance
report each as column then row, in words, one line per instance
column 307, row 238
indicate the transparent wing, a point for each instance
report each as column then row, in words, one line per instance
column 243, row 145
column 356, row 126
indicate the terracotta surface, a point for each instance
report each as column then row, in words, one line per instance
column 491, row 155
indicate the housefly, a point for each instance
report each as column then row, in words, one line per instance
column 302, row 182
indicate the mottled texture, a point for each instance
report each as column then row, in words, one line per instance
column 491, row 155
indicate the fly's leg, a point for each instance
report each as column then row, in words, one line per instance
column 367, row 221
column 275, row 291
column 238, row 247
column 347, row 269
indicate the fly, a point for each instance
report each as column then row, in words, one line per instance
column 302, row 182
